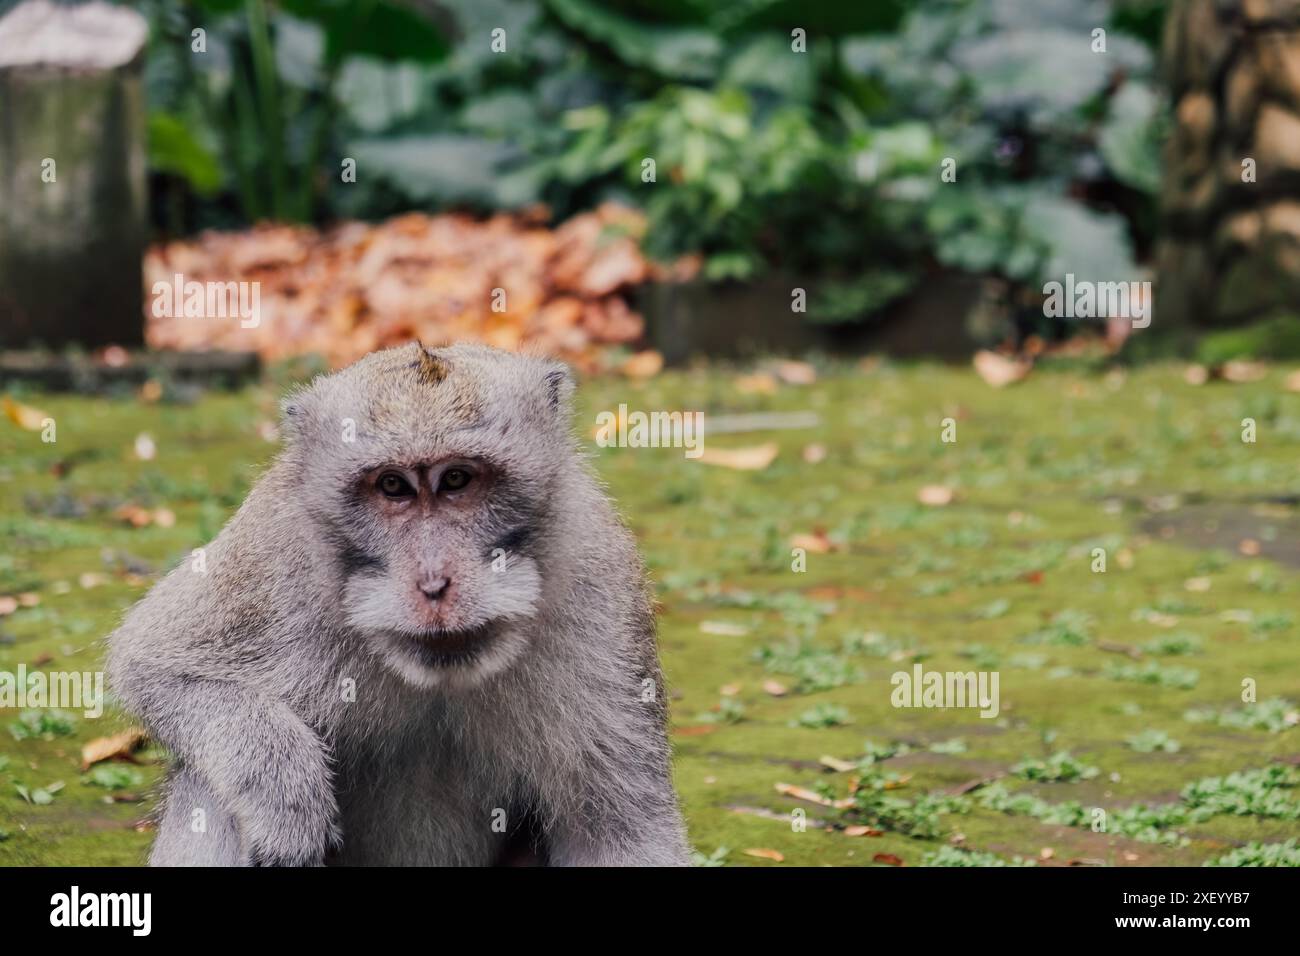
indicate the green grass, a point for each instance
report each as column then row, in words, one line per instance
column 1149, row 469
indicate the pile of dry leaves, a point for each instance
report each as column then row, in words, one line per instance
column 509, row 281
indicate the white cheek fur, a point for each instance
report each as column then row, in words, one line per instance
column 379, row 606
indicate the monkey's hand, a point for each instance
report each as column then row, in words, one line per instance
column 265, row 765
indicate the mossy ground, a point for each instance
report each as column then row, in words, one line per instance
column 1138, row 463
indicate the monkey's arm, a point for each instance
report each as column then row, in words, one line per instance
column 648, row 833
column 625, row 814
column 186, row 665
column 615, row 805
column 264, row 765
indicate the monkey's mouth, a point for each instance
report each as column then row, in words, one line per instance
column 460, row 647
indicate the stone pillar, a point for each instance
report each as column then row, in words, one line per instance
column 73, row 204
column 1230, row 252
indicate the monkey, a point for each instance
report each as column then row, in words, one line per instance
column 425, row 638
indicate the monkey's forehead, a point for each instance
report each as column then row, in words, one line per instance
column 424, row 443
column 409, row 435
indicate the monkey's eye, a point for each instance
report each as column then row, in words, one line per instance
column 454, row 479
column 393, row 485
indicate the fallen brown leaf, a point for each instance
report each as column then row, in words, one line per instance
column 803, row 793
column 752, row 458
column 723, row 628
column 999, row 370
column 134, row 515
column 936, row 496
column 760, row 383
column 1240, row 371
column 811, row 796
column 698, row 730
column 888, row 858
column 643, row 365
column 796, row 373
column 814, row 454
column 836, row 764
column 24, row 416
column 763, row 853
column 815, row 543
column 107, row 748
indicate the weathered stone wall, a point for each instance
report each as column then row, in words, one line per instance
column 72, row 175
column 1231, row 203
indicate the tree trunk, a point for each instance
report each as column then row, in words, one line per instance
column 72, row 175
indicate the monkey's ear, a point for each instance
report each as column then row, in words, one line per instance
column 559, row 387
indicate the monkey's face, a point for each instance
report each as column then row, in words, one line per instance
column 448, row 580
column 438, row 504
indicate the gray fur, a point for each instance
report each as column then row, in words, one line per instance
column 240, row 671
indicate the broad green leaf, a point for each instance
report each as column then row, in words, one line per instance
column 173, row 148
column 678, row 52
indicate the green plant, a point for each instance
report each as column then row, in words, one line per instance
column 40, row 796
column 1059, row 767
column 113, row 776
column 45, row 724
column 822, row 715
column 1174, row 644
column 1265, row 792
column 251, row 104
column 1286, row 853
column 955, row 856
column 1151, row 741
column 717, row 858
column 813, row 668
column 1274, row 715
column 1068, row 628
column 728, row 711
column 1183, row 678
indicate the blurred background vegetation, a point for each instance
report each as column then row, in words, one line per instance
column 794, row 143
column 822, row 165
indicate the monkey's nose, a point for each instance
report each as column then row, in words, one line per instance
column 434, row 588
